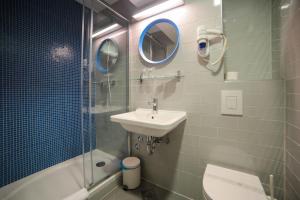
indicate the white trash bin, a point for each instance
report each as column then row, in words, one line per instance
column 131, row 172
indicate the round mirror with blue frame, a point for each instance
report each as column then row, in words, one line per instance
column 107, row 56
column 159, row 41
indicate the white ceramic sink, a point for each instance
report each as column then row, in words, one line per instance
column 145, row 122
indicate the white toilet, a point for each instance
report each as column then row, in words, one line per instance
column 225, row 184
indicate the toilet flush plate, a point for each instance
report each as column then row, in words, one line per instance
column 231, row 102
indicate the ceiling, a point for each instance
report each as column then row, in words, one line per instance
column 107, row 12
column 141, row 3
column 127, row 8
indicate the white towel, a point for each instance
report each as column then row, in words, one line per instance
column 79, row 195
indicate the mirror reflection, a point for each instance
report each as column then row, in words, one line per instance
column 159, row 42
column 256, row 27
column 107, row 55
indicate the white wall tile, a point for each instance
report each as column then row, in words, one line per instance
column 252, row 143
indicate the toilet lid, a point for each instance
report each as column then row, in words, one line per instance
column 131, row 162
column 225, row 184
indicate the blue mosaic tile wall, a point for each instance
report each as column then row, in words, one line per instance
column 40, row 45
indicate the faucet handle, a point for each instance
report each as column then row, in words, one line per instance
column 154, row 101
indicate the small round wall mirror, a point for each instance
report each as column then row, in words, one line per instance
column 159, row 41
column 107, row 56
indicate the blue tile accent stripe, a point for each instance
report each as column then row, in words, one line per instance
column 40, row 119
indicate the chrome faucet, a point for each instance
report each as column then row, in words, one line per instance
column 154, row 104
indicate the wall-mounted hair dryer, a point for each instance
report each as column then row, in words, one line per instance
column 204, row 37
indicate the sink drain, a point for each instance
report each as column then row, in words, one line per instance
column 100, row 164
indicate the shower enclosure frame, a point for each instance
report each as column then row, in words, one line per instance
column 87, row 63
column 87, row 27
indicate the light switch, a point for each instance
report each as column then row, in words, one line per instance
column 231, row 102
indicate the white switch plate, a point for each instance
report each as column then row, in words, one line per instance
column 232, row 102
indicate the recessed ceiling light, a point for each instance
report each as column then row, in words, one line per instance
column 106, row 30
column 167, row 5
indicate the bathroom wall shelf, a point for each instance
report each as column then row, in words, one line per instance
column 105, row 83
column 100, row 109
column 177, row 76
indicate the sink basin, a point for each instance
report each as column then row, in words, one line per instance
column 145, row 122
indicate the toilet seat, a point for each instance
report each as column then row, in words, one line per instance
column 225, row 184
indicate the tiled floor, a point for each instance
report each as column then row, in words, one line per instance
column 145, row 192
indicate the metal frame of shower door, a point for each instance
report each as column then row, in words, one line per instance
column 90, row 67
column 81, row 95
column 129, row 135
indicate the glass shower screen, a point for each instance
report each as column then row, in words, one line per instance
column 105, row 92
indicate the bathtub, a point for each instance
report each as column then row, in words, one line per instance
column 62, row 180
